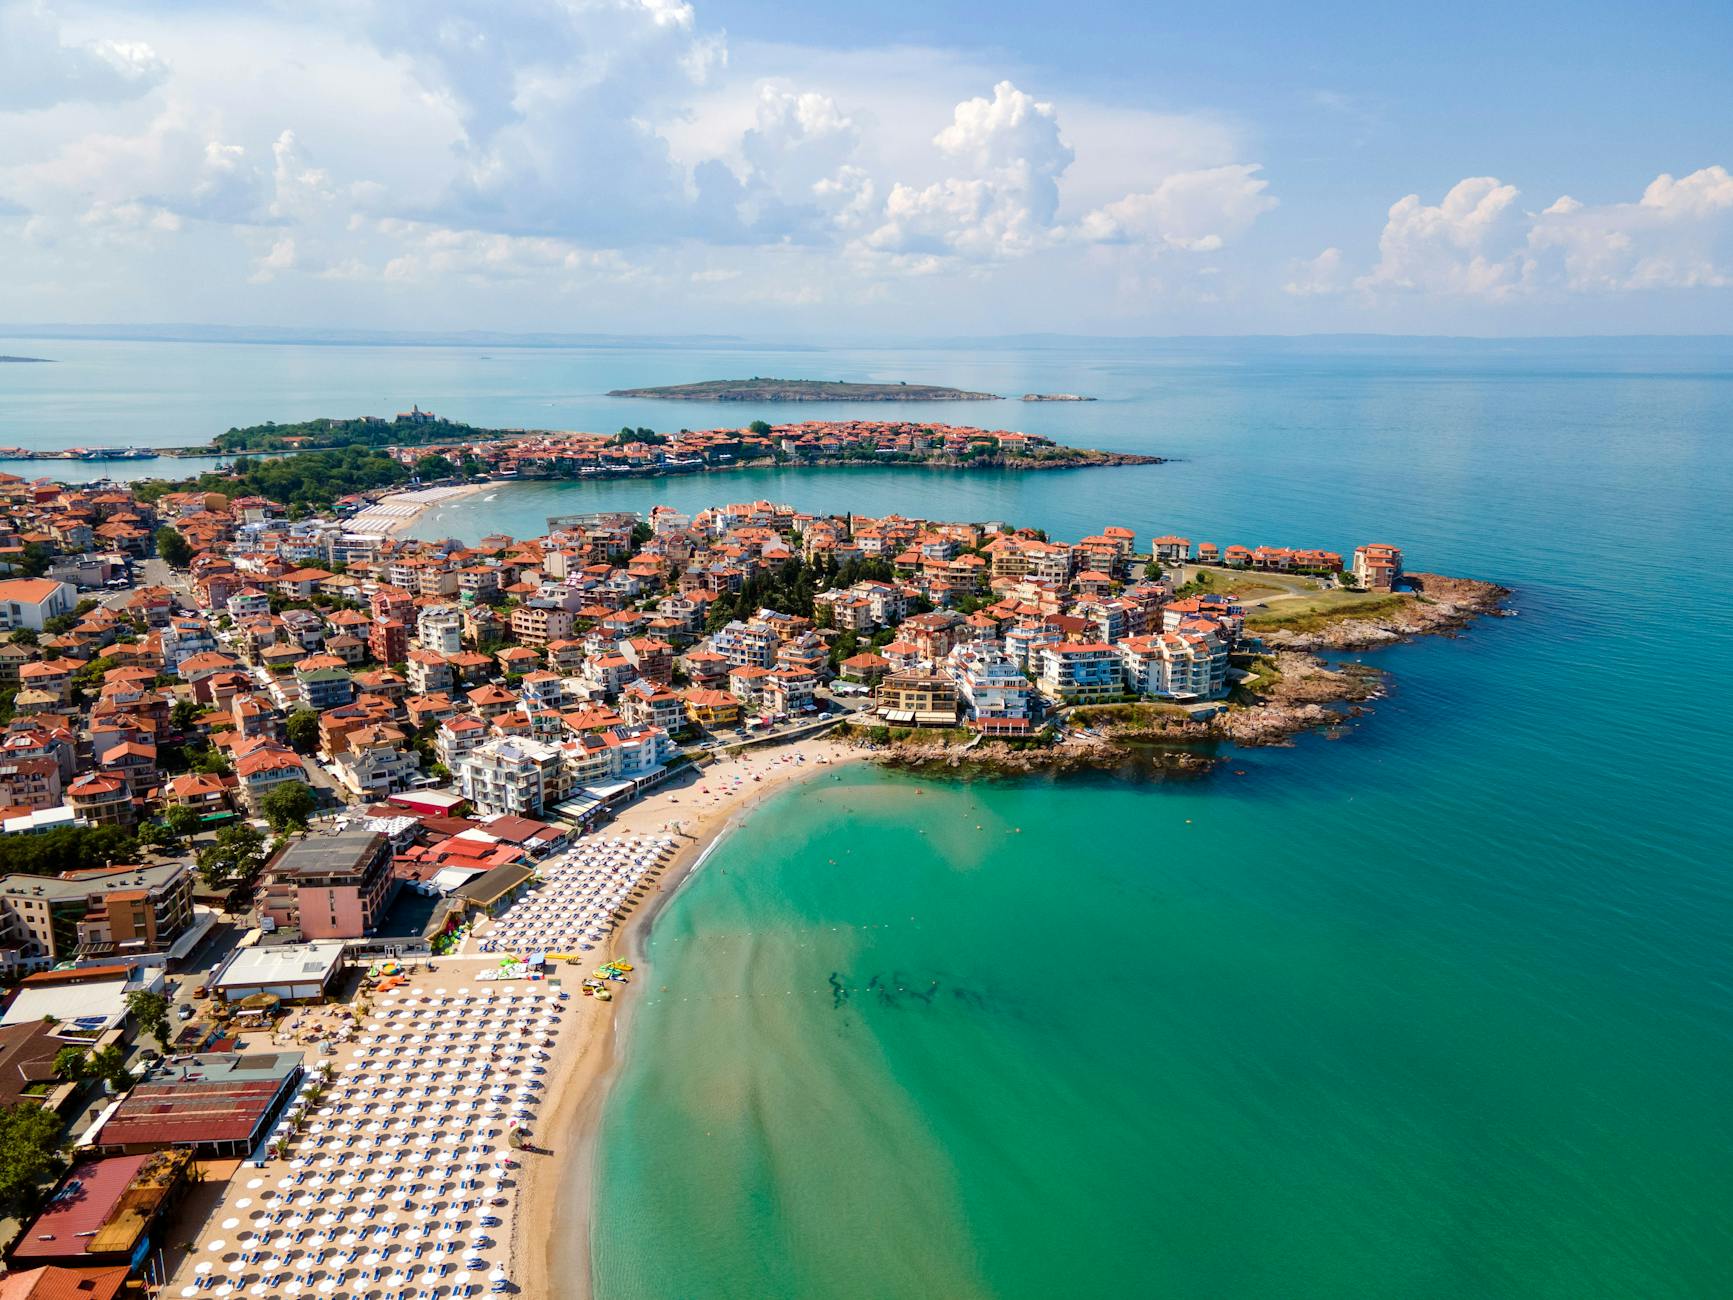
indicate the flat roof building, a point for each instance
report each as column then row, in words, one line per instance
column 214, row 1105
column 293, row 972
column 329, row 886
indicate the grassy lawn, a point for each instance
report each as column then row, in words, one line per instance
column 1250, row 586
column 1309, row 613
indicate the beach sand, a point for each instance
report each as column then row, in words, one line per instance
column 547, row 1215
column 550, row 1238
column 394, row 513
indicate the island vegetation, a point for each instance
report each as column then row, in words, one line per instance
column 803, row 390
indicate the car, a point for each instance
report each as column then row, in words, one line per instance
column 184, row 1011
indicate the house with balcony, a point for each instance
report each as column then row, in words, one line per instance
column 1079, row 672
column 913, row 698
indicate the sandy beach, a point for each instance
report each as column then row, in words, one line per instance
column 393, row 513
column 543, row 1201
column 550, row 1229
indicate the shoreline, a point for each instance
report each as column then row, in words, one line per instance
column 554, row 1206
column 396, row 511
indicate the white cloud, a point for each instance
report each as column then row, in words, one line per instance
column 1013, row 154
column 40, row 67
column 1196, row 211
column 1479, row 243
column 1471, row 243
column 1323, row 274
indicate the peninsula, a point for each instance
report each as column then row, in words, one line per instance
column 803, row 390
column 378, row 755
column 342, row 457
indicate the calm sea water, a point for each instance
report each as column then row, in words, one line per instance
column 1442, row 1009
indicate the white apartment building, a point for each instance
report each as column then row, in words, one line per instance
column 440, row 629
column 1176, row 666
column 993, row 691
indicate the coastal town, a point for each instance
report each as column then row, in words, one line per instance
column 322, row 845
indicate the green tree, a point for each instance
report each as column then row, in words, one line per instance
column 109, row 1065
column 26, row 636
column 184, row 714
column 65, row 848
column 182, row 820
column 235, row 857
column 34, row 562
column 150, row 1012
column 303, row 730
column 288, row 806
column 434, row 467
column 760, row 427
column 173, row 548
column 30, row 1146
column 71, row 1063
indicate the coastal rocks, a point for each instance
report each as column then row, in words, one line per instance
column 1440, row 606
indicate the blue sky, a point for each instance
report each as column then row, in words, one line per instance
column 763, row 168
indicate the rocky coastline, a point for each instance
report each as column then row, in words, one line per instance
column 1286, row 687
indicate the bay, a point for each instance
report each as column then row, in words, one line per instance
column 1438, row 1009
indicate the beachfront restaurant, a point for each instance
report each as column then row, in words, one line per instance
column 216, row 1105
column 493, row 891
column 289, row 972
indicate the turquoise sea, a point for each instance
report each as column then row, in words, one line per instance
column 1443, row 1008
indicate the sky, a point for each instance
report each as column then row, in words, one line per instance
column 766, row 168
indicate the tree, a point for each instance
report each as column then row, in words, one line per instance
column 26, row 636
column 109, row 1065
column 182, row 820
column 34, row 562
column 150, row 1012
column 760, row 427
column 303, row 730
column 173, row 548
column 154, row 836
column 434, row 467
column 234, row 859
column 30, row 1146
column 71, row 1063
column 65, row 848
column 288, row 806
column 184, row 714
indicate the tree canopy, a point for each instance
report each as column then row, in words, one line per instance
column 65, row 848
column 30, row 1146
column 173, row 548
column 288, row 806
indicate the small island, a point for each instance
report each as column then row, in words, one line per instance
column 803, row 390
column 1055, row 397
column 25, row 361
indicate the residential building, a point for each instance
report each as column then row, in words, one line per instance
column 1377, row 566
column 511, row 776
column 329, row 886
column 104, row 912
column 1079, row 672
column 31, row 602
column 993, row 692
column 919, row 699
column 439, row 628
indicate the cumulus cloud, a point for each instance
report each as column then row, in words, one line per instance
column 1323, row 274
column 1679, row 235
column 1470, row 243
column 1478, row 242
column 1197, row 211
column 1012, row 153
column 40, row 67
